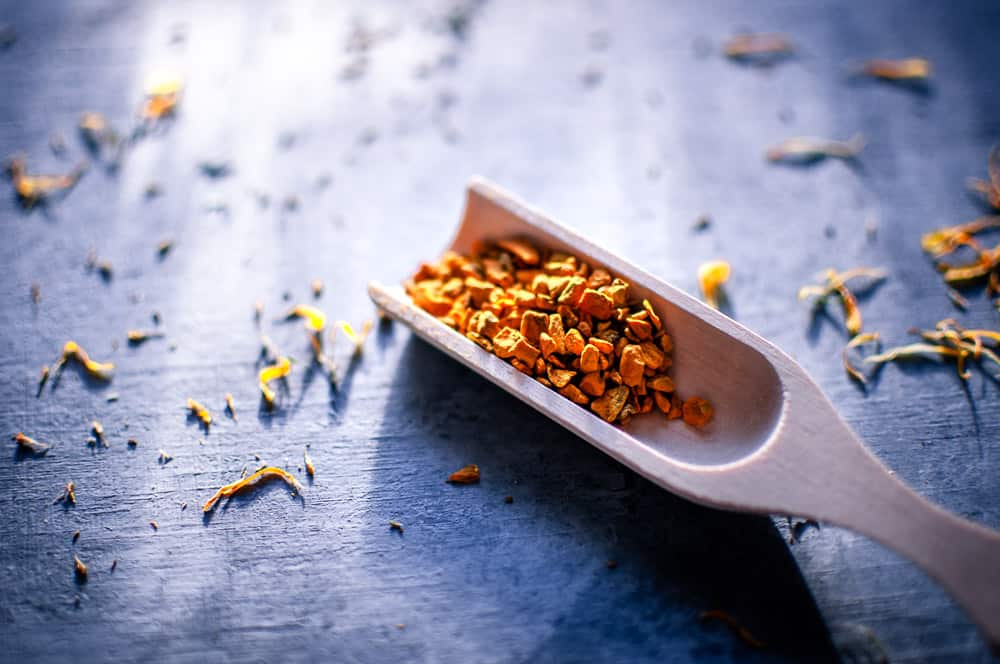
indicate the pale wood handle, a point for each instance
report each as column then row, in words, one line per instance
column 962, row 556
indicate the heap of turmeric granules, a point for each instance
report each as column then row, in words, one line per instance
column 574, row 328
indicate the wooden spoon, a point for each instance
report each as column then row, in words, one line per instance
column 776, row 444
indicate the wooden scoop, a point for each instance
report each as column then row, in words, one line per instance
column 776, row 445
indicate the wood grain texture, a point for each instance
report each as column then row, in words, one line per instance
column 660, row 136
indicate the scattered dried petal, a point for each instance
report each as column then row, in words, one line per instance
column 859, row 340
column 315, row 319
column 263, row 474
column 200, row 412
column 33, row 189
column 231, row 406
column 73, row 351
column 280, row 369
column 758, row 47
column 738, row 629
column 711, row 276
column 907, row 69
column 809, row 148
column 465, row 475
column 310, row 468
column 79, row 568
column 395, row 525
column 358, row 339
column 29, row 444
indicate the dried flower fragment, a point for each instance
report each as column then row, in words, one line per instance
column 200, row 412
column 947, row 340
column 281, row 368
column 395, row 525
column 942, row 241
column 98, row 430
column 132, row 443
column 73, row 351
column 43, row 377
column 356, row 338
column 261, row 475
column 738, row 629
column 164, row 458
column 231, row 406
column 76, row 536
column 79, row 569
column 29, row 444
column 574, row 327
column 36, row 293
column 807, row 149
column 136, row 337
column 68, row 495
column 310, row 468
column 33, row 189
column 100, row 137
column 163, row 92
column 315, row 319
column 465, row 475
column 836, row 283
column 316, row 286
column 163, row 247
column 906, row 69
column 990, row 188
column 154, row 525
column 711, row 276
column 758, row 47
column 856, row 341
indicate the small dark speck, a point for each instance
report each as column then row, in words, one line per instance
column 611, row 564
column 114, row 564
column 153, row 189
column 76, row 536
column 286, row 296
column 599, row 40
column 7, row 36
column 830, row 232
column 324, row 181
column 508, row 499
column 653, row 172
column 592, row 77
column 701, row 46
column 287, row 139
column 654, row 99
column 368, row 136
column 178, row 33
column 215, row 169
column 112, row 397
column 157, row 318
column 446, row 99
column 786, row 116
column 36, row 293
column 702, row 223
column 291, row 203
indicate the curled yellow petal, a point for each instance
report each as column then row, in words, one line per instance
column 358, row 339
column 200, row 412
column 711, row 276
column 315, row 319
column 280, row 369
column 859, row 340
column 261, row 475
column 73, row 351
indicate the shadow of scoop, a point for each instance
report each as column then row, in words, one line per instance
column 584, row 559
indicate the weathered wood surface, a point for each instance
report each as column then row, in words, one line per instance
column 609, row 116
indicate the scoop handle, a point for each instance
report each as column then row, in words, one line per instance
column 837, row 480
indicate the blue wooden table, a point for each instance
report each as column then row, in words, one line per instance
column 350, row 130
